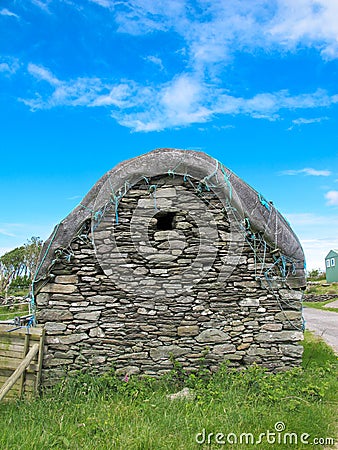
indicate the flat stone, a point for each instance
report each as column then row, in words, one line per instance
column 233, row 356
column 166, row 192
column 102, row 234
column 165, row 235
column 147, row 328
column 247, row 284
column 188, row 330
column 249, row 302
column 55, row 327
column 129, row 370
column 97, row 360
column 91, row 316
column 102, row 299
column 243, row 346
column 281, row 336
column 161, row 203
column 54, row 315
column 183, row 225
column 141, row 271
column 212, row 335
column 176, row 244
column 166, row 350
column 224, row 348
column 259, row 351
column 295, row 351
column 77, row 305
column 96, row 332
column 73, row 338
column 159, row 271
column 288, row 315
column 272, row 327
column 67, row 279
column 161, row 257
column 42, row 299
column 57, row 362
column 184, row 394
column 59, row 288
column 67, row 298
column 291, row 294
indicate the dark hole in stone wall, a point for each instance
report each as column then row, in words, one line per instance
column 165, row 220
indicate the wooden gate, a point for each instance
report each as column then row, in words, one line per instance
column 21, row 353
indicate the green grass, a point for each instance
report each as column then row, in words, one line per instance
column 320, row 289
column 86, row 412
column 12, row 311
column 321, row 305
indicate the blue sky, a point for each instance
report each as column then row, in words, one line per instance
column 84, row 85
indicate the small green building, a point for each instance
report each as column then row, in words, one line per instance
column 331, row 264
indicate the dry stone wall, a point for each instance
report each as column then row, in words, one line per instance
column 123, row 298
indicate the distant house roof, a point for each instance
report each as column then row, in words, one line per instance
column 332, row 253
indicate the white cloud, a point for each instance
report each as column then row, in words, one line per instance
column 41, row 73
column 182, row 95
column 120, row 96
column 214, row 31
column 44, row 5
column 5, row 67
column 317, row 234
column 6, row 12
column 105, row 3
column 332, row 198
column 155, row 60
column 184, row 100
column 4, row 232
column 307, row 171
column 78, row 92
column 316, row 250
column 175, row 104
column 307, row 22
column 74, row 197
column 9, row 66
column 303, row 121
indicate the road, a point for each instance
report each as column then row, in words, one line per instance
column 323, row 324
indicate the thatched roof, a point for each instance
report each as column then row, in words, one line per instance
column 262, row 215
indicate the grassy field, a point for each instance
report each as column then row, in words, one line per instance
column 321, row 305
column 87, row 412
column 12, row 311
column 321, row 288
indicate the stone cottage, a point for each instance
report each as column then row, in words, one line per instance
column 170, row 255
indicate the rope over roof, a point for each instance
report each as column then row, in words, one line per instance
column 230, row 189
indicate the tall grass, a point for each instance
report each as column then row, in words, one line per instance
column 86, row 412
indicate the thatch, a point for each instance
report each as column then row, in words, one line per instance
column 230, row 189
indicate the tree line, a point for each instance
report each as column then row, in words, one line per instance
column 18, row 266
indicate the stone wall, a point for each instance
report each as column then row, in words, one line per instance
column 125, row 298
column 319, row 297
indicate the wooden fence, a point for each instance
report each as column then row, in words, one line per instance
column 15, row 345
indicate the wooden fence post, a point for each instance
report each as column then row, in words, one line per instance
column 23, row 376
column 19, row 371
